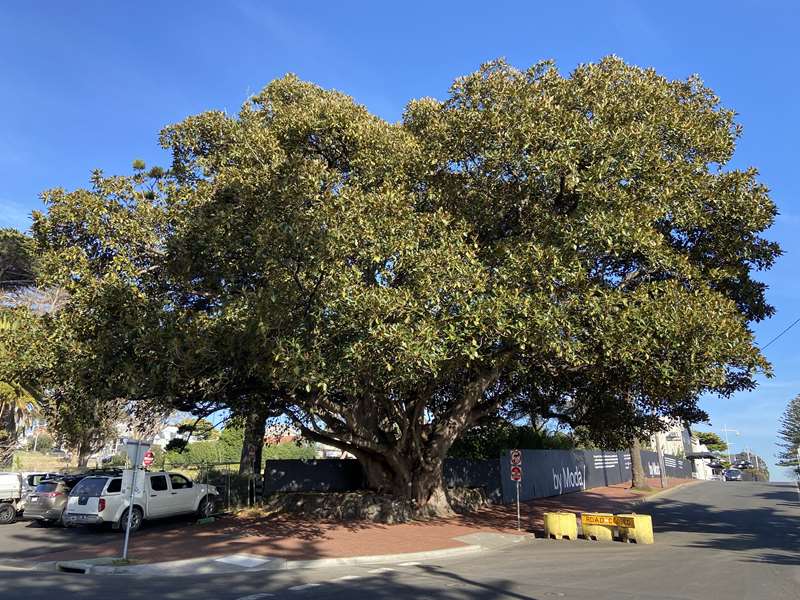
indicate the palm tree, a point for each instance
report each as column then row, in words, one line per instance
column 20, row 403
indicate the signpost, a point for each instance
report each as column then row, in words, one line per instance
column 134, row 450
column 148, row 459
column 516, row 476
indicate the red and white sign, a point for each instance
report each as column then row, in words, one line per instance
column 516, row 457
column 148, row 459
column 516, row 473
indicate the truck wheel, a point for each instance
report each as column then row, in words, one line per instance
column 136, row 519
column 8, row 513
column 206, row 507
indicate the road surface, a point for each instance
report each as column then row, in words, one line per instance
column 734, row 541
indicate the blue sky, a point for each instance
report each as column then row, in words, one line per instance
column 89, row 84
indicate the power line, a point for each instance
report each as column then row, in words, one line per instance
column 780, row 334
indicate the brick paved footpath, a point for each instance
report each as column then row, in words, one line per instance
column 300, row 538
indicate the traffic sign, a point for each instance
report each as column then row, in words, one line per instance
column 516, row 457
column 148, row 459
column 516, row 473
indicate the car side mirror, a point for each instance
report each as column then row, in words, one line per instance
column 191, row 484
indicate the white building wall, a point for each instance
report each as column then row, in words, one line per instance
column 701, row 468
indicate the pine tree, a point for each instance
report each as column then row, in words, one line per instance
column 789, row 435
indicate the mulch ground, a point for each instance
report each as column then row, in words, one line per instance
column 297, row 538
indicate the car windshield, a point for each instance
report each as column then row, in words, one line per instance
column 48, row 486
column 91, row 486
column 734, row 472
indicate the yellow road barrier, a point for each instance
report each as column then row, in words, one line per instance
column 598, row 526
column 560, row 525
column 635, row 528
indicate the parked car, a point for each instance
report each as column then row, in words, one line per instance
column 11, row 490
column 48, row 501
column 33, row 479
column 99, row 499
column 29, row 483
column 733, row 475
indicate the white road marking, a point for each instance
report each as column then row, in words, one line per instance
column 381, row 570
column 243, row 560
column 305, row 586
column 409, row 564
column 348, row 577
column 257, row 596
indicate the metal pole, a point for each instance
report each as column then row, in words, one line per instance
column 519, row 520
column 208, row 468
column 726, row 430
column 228, row 487
column 661, row 465
column 130, row 502
column 727, row 443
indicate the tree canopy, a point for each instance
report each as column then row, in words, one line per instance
column 789, row 437
column 17, row 260
column 711, row 440
column 571, row 246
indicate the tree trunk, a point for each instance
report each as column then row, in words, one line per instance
column 418, row 481
column 83, row 456
column 8, row 436
column 637, row 469
column 253, row 446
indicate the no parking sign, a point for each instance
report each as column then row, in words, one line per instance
column 516, row 476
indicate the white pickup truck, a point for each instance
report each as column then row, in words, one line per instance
column 98, row 500
column 11, row 492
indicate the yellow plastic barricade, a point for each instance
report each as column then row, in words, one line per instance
column 635, row 528
column 598, row 526
column 560, row 525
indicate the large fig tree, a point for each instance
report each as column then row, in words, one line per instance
column 388, row 285
column 407, row 279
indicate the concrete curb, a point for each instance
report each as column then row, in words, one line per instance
column 211, row 565
column 27, row 565
column 383, row 558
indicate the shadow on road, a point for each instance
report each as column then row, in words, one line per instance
column 30, row 540
column 432, row 583
column 766, row 534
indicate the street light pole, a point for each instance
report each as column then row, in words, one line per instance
column 727, row 443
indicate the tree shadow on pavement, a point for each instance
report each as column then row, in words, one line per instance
column 765, row 534
column 28, row 540
column 168, row 539
column 432, row 583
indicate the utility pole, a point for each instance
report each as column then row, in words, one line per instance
column 727, row 443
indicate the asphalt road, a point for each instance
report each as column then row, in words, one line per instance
column 26, row 540
column 713, row 540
